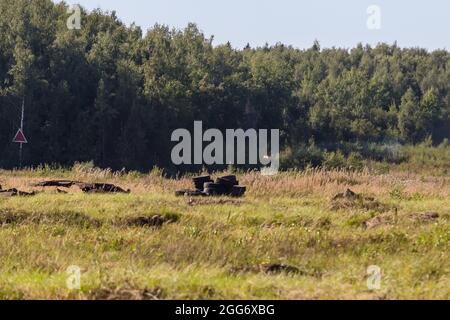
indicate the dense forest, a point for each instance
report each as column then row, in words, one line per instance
column 113, row 94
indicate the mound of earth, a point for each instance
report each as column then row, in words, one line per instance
column 425, row 217
column 85, row 187
column 155, row 221
column 377, row 221
column 14, row 192
column 270, row 268
column 351, row 200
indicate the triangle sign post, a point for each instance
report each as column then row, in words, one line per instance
column 20, row 137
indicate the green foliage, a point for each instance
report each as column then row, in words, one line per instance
column 355, row 160
column 334, row 160
column 111, row 94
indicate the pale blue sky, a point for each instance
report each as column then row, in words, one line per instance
column 423, row 23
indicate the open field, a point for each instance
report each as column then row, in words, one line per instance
column 214, row 247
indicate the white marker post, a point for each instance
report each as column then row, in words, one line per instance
column 20, row 137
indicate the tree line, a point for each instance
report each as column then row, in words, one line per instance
column 113, row 93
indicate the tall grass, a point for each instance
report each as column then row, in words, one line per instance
column 211, row 242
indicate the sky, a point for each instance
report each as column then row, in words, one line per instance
column 338, row 23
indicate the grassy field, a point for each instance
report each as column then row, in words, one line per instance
column 213, row 248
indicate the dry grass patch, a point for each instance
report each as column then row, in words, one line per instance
column 152, row 245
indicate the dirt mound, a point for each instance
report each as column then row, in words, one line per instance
column 424, row 217
column 155, row 221
column 386, row 220
column 278, row 268
column 270, row 269
column 101, row 188
column 56, row 183
column 352, row 200
column 215, row 201
column 14, row 192
column 85, row 187
column 348, row 194
column 377, row 221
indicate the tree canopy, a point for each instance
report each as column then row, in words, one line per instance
column 112, row 94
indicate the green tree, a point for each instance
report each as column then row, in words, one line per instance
column 411, row 119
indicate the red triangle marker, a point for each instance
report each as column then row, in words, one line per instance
column 20, row 137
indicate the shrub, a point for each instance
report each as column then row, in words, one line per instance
column 334, row 160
